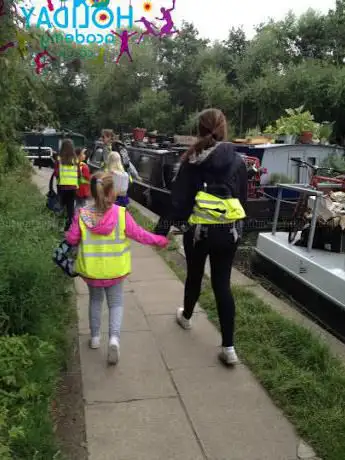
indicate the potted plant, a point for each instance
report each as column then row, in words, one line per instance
column 295, row 124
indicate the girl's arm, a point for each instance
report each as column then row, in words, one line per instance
column 73, row 235
column 137, row 233
column 56, row 169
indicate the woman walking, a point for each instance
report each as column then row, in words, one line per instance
column 208, row 199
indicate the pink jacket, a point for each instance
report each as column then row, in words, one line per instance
column 104, row 225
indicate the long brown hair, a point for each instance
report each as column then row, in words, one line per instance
column 212, row 129
column 102, row 191
column 67, row 153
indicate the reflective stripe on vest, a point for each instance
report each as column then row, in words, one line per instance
column 82, row 178
column 104, row 256
column 210, row 209
column 68, row 175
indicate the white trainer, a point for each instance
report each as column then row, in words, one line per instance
column 95, row 342
column 181, row 320
column 228, row 356
column 113, row 350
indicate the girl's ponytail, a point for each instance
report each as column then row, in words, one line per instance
column 102, row 191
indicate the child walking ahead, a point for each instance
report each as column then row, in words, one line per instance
column 83, row 193
column 102, row 231
column 121, row 178
column 67, row 175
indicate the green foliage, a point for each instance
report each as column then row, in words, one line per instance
column 34, row 316
column 335, row 162
column 276, row 178
column 295, row 122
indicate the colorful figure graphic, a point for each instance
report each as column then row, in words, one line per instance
column 99, row 3
column 124, row 37
column 5, row 47
column 149, row 29
column 50, row 5
column 41, row 62
column 168, row 28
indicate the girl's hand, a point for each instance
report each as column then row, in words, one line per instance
column 163, row 242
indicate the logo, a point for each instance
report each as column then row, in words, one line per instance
column 109, row 24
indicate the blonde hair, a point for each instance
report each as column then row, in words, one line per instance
column 114, row 162
column 102, row 191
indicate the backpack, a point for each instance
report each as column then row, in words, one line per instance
column 64, row 257
column 53, row 200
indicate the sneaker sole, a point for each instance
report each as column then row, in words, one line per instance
column 113, row 354
column 94, row 347
column 186, row 328
column 227, row 363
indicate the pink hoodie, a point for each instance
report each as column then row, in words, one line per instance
column 104, row 225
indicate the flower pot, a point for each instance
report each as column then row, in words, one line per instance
column 306, row 137
column 139, row 134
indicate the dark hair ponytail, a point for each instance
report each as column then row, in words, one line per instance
column 212, row 129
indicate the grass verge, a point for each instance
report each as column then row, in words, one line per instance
column 35, row 313
column 296, row 368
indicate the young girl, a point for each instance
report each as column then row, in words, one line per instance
column 67, row 175
column 102, row 231
column 83, row 193
column 121, row 178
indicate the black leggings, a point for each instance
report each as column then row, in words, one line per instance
column 67, row 200
column 221, row 249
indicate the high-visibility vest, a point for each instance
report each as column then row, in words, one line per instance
column 82, row 179
column 104, row 256
column 68, row 174
column 210, row 209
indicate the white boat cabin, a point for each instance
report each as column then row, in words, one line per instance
column 276, row 158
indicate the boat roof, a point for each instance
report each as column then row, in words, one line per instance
column 271, row 146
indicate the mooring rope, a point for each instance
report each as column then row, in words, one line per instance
column 275, row 198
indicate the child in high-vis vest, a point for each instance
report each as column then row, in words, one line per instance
column 67, row 175
column 83, row 193
column 102, row 231
column 121, row 178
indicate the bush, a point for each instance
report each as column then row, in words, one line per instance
column 34, row 315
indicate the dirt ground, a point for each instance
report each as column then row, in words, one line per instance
column 70, row 419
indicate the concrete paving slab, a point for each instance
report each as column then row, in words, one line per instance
column 141, row 430
column 150, row 268
column 241, row 280
column 139, row 374
column 139, row 250
column 233, row 416
column 160, row 298
column 133, row 317
column 197, row 347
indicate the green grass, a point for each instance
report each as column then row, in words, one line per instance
column 35, row 314
column 296, row 368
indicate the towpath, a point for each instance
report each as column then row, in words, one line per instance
column 168, row 397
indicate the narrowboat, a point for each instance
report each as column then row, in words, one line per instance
column 311, row 268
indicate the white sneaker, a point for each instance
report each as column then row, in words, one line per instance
column 95, row 342
column 228, row 356
column 113, row 350
column 181, row 320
